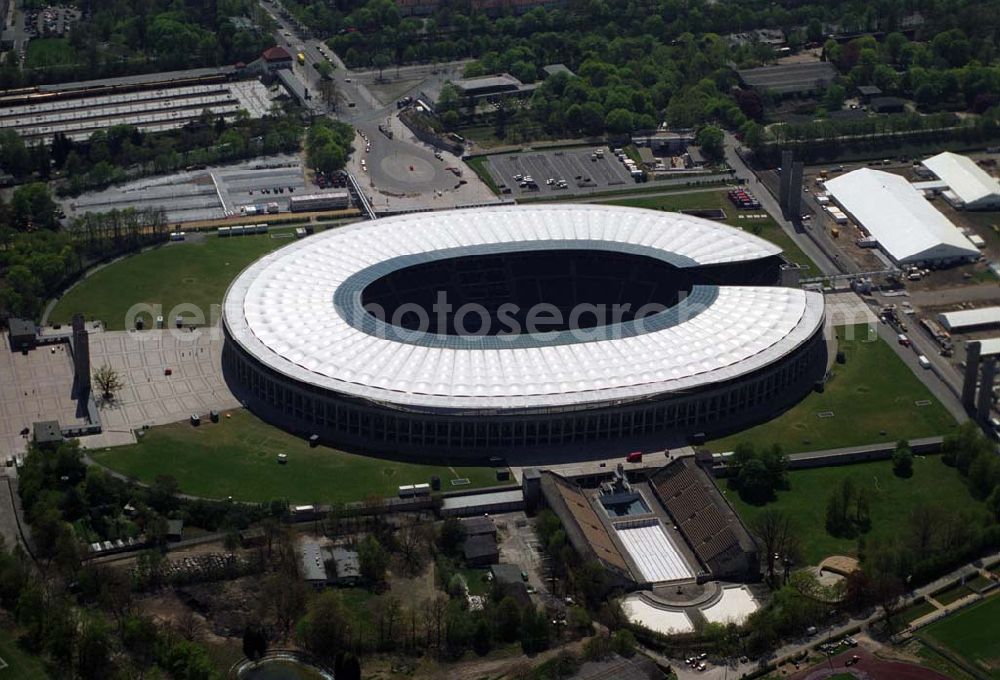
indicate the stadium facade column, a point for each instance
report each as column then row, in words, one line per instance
column 986, row 389
column 972, row 349
column 81, row 358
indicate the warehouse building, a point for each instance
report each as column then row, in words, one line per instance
column 968, row 320
column 969, row 186
column 891, row 210
column 790, row 79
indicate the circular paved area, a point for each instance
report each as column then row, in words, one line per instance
column 407, row 168
column 869, row 668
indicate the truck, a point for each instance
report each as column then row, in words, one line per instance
column 272, row 207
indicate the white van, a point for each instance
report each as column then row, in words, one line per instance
column 924, row 361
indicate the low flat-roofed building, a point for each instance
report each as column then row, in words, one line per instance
column 312, row 564
column 553, row 69
column 908, row 228
column 482, row 503
column 478, row 526
column 348, row 566
column 480, row 550
column 22, row 333
column 175, row 529
column 805, row 78
column 866, row 92
column 972, row 187
column 887, row 105
column 46, row 432
column 484, row 86
column 966, row 320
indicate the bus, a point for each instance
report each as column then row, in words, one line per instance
column 301, row 57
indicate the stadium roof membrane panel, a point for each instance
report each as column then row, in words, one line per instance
column 281, row 310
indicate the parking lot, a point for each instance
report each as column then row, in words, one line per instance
column 211, row 193
column 580, row 170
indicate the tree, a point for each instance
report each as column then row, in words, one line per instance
column 902, row 459
column 777, row 534
column 254, row 642
column 108, row 382
column 623, row 642
column 754, row 482
column 993, row 503
column 347, row 666
column 372, row 560
column 507, row 619
column 325, row 628
column 834, row 97
column 33, row 206
column 711, row 140
column 452, row 536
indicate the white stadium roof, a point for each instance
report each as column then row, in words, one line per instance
column 907, row 227
column 973, row 186
column 281, row 310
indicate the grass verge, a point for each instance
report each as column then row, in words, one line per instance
column 873, row 398
column 971, row 634
column 238, row 457
column 196, row 272
column 892, row 499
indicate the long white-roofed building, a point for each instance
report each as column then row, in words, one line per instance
column 969, row 186
column 907, row 227
column 506, row 327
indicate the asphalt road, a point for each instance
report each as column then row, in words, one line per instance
column 770, row 204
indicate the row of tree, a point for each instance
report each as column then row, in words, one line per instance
column 123, row 152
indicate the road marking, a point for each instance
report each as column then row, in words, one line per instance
column 3, row 664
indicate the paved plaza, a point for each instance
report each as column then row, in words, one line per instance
column 150, row 396
column 33, row 386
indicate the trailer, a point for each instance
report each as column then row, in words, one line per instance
column 330, row 200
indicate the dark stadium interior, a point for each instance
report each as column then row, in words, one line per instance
column 521, row 281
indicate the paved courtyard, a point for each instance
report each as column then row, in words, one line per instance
column 150, row 397
column 33, row 386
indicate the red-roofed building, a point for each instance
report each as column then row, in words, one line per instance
column 275, row 58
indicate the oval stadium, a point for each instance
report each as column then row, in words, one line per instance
column 473, row 331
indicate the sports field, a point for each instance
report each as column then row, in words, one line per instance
column 972, row 634
column 238, row 457
column 16, row 664
column 767, row 229
column 47, row 52
column 933, row 484
column 196, row 272
column 871, row 398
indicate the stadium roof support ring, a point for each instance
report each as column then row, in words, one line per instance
column 298, row 315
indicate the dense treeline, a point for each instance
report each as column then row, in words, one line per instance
column 123, row 152
column 93, row 629
column 638, row 63
column 124, row 37
column 328, row 145
column 37, row 259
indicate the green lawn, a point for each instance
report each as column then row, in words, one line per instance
column 196, row 272
column 873, row 393
column 46, row 52
column 238, row 457
column 972, row 634
column 951, row 594
column 478, row 165
column 933, row 484
column 915, row 611
column 19, row 664
column 767, row 229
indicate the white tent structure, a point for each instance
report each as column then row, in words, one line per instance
column 908, row 228
column 969, row 186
